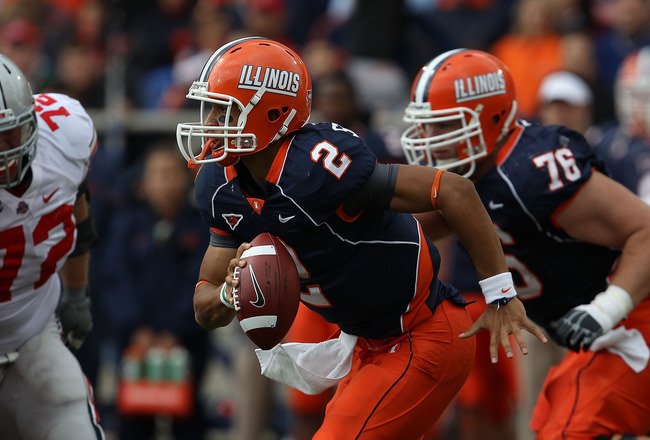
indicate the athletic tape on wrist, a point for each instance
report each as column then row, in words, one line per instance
column 612, row 305
column 224, row 298
column 497, row 287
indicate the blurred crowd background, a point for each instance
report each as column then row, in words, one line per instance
column 130, row 63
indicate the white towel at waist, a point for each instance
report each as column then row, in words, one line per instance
column 628, row 344
column 309, row 367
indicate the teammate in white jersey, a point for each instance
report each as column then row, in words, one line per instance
column 46, row 232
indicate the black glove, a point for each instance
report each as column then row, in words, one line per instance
column 75, row 316
column 577, row 329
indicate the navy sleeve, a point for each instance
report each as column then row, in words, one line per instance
column 330, row 165
column 562, row 162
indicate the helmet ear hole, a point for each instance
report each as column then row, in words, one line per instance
column 495, row 119
column 273, row 115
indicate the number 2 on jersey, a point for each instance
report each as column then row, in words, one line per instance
column 333, row 162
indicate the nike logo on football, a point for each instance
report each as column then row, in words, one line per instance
column 48, row 198
column 259, row 296
column 285, row 219
column 494, row 206
column 506, row 290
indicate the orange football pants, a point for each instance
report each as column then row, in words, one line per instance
column 398, row 387
column 492, row 388
column 590, row 394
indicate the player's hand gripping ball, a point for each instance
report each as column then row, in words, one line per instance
column 267, row 298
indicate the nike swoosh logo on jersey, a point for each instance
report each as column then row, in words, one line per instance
column 48, row 198
column 259, row 300
column 494, row 206
column 285, row 219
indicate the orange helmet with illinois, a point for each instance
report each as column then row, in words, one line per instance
column 271, row 88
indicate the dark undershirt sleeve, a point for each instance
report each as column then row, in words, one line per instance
column 221, row 240
column 376, row 193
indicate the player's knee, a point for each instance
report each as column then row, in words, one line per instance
column 58, row 393
column 58, row 383
column 71, row 429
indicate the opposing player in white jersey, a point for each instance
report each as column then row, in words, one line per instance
column 46, row 144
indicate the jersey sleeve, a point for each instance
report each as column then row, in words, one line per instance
column 332, row 165
column 204, row 185
column 65, row 125
column 562, row 166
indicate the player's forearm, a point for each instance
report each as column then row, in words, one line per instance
column 209, row 311
column 632, row 271
column 74, row 272
column 434, row 225
column 422, row 189
column 465, row 214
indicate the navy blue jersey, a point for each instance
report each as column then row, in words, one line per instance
column 364, row 273
column 538, row 172
column 627, row 159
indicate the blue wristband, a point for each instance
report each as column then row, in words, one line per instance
column 501, row 302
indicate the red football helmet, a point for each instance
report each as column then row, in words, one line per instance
column 632, row 93
column 470, row 87
column 269, row 84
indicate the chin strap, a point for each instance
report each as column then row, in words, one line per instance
column 285, row 126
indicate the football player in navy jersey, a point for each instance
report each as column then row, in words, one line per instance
column 46, row 233
column 625, row 147
column 576, row 242
column 364, row 262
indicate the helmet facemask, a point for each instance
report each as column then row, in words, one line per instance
column 15, row 162
column 421, row 149
column 18, row 127
column 633, row 108
column 199, row 139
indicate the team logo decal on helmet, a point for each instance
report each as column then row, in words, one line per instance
column 480, row 86
column 275, row 80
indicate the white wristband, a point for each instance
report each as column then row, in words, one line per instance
column 224, row 298
column 610, row 306
column 497, row 287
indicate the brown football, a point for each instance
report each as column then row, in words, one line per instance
column 267, row 299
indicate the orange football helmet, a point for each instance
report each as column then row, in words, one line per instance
column 471, row 87
column 270, row 85
column 632, row 93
